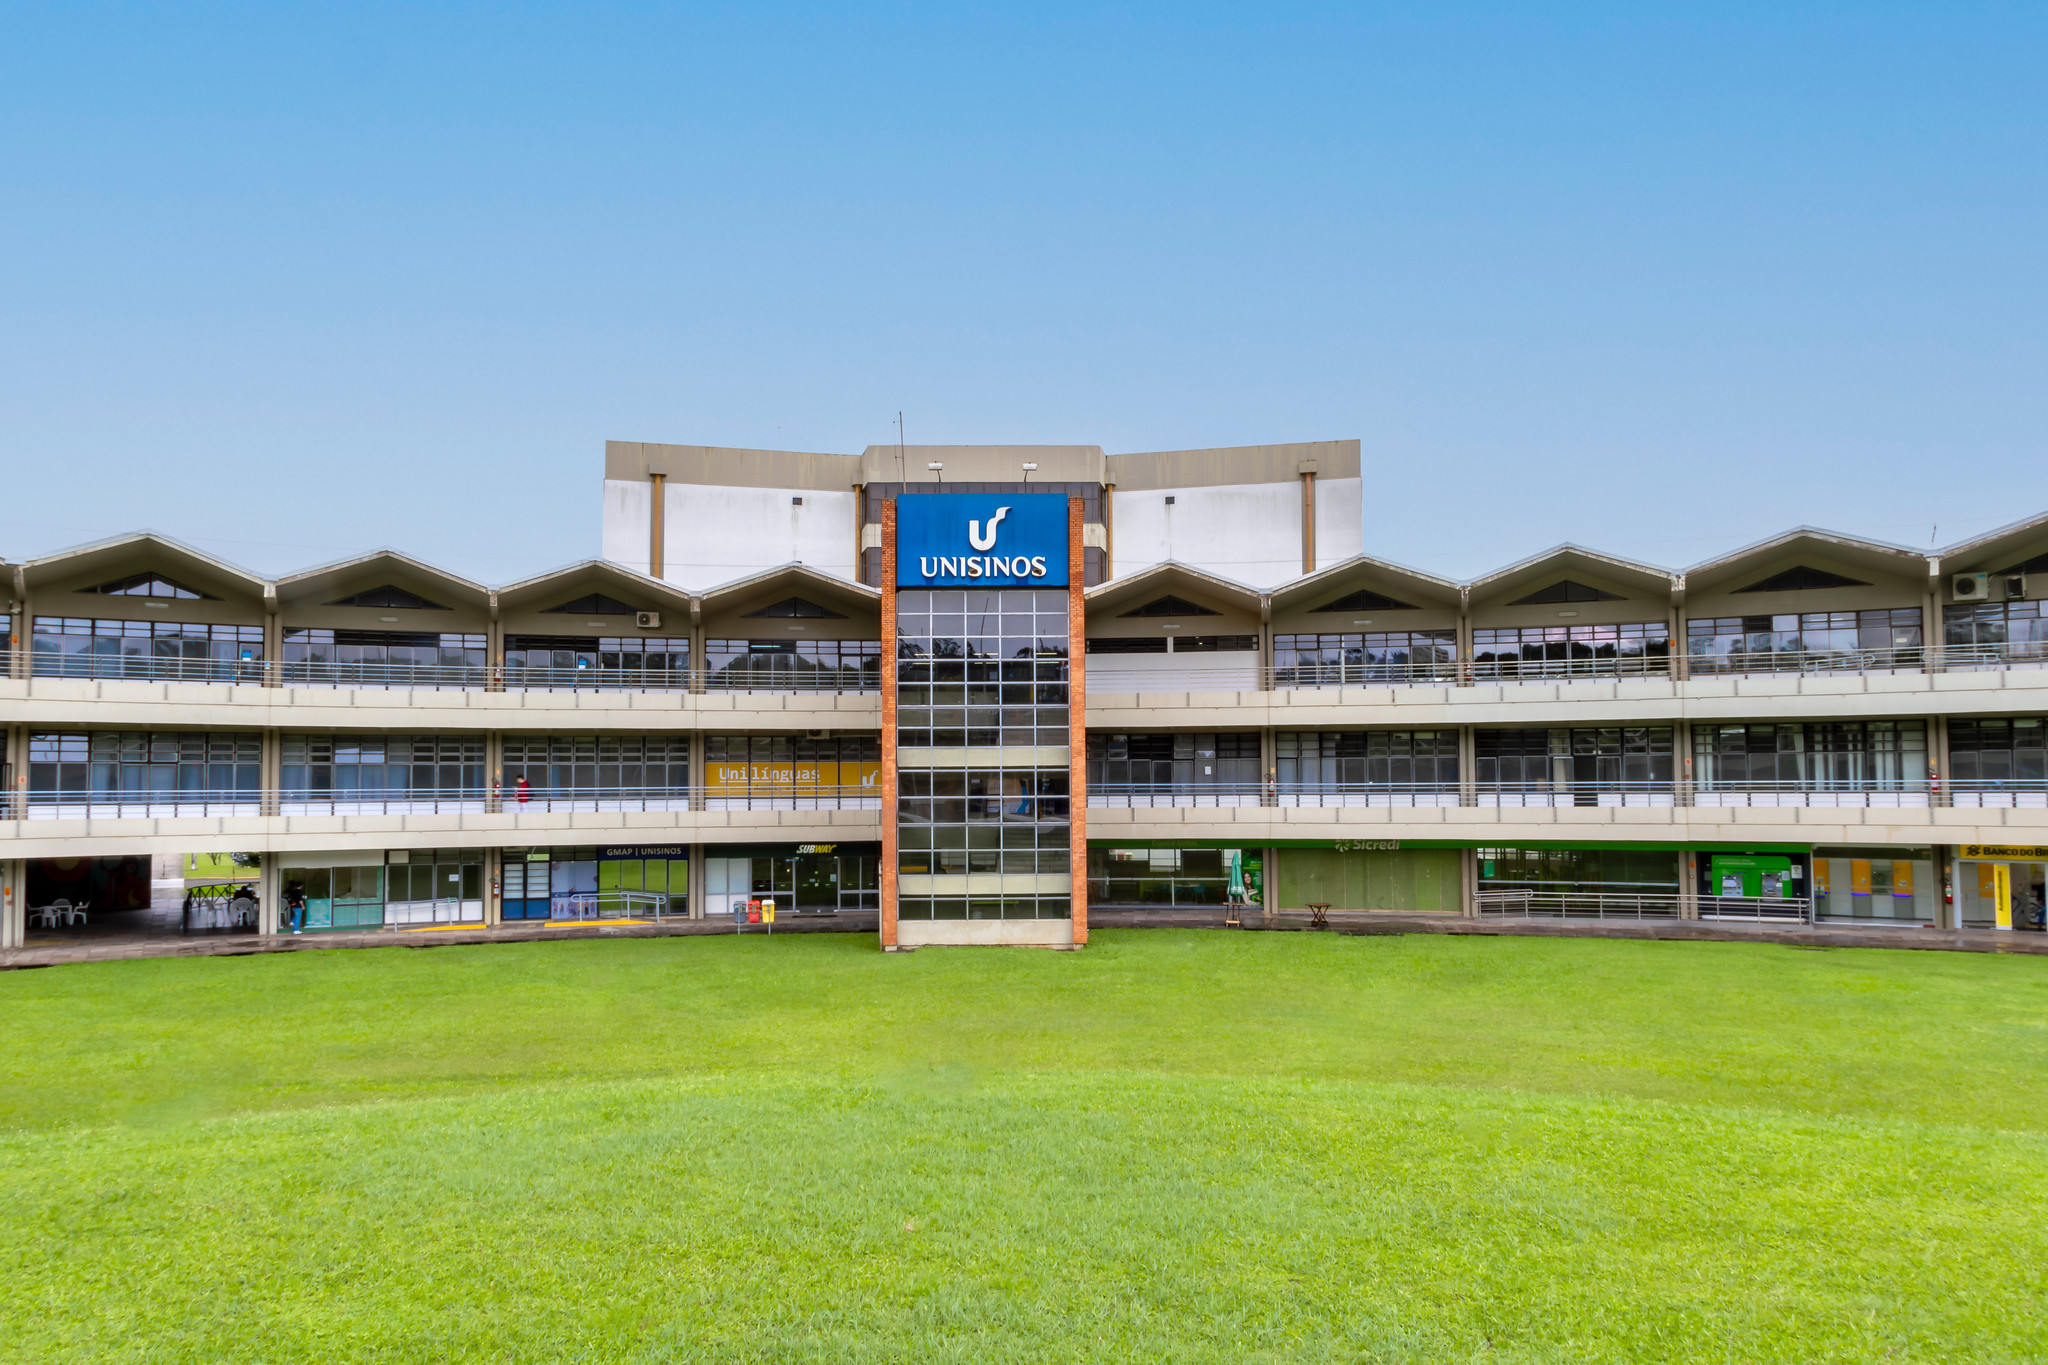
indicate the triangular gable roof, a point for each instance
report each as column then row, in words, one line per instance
column 794, row 578
column 315, row 583
column 1559, row 561
column 1107, row 599
column 64, row 563
column 1330, row 582
column 659, row 595
column 1994, row 550
column 1880, row 555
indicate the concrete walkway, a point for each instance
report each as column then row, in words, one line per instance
column 53, row 951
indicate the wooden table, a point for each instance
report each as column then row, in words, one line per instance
column 1318, row 914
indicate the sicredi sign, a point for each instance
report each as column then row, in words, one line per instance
column 981, row 540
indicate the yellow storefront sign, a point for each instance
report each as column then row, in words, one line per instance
column 1859, row 876
column 772, row 779
column 1902, row 879
column 2035, row 852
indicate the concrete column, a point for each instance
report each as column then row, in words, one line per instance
column 272, row 770
column 1269, row 768
column 1945, row 916
column 1272, row 891
column 1689, row 885
column 273, row 639
column 1937, row 761
column 494, row 886
column 887, row 932
column 16, row 795
column 13, row 902
column 1077, row 723
column 494, row 649
column 21, row 636
column 494, row 772
column 1681, row 763
column 1681, row 661
column 696, row 889
column 1468, row 880
column 1464, row 637
column 657, row 517
column 1108, row 532
column 1308, row 518
column 269, row 892
column 699, row 769
column 1931, row 633
column 1468, row 767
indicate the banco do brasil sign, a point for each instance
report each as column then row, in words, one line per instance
column 981, row 540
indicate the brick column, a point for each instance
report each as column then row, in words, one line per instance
column 889, row 783
column 1077, row 723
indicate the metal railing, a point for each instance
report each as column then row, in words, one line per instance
column 591, row 905
column 1584, row 903
column 437, row 677
column 64, row 805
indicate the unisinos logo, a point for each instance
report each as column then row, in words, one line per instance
column 981, row 540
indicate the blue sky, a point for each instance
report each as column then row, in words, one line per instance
column 295, row 283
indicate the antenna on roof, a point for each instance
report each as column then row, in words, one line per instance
column 901, row 475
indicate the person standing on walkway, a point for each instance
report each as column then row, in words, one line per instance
column 295, row 905
column 524, row 793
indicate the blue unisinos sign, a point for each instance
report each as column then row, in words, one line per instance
column 981, row 540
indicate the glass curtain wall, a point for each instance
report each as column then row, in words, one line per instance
column 317, row 656
column 388, row 774
column 1592, row 766
column 1185, row 878
column 1998, row 762
column 1823, row 640
column 1620, row 651
column 596, row 772
column 1198, row 768
column 434, row 886
column 1366, row 767
column 983, row 669
column 567, row 663
column 179, row 771
column 1846, row 756
column 793, row 665
column 1995, row 631
column 76, row 647
column 1337, row 660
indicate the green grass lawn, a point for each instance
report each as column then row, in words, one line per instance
column 1176, row 1146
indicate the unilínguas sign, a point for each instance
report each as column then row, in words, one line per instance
column 981, row 540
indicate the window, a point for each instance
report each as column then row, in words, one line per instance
column 611, row 765
column 1589, row 760
column 1329, row 760
column 1803, row 578
column 1170, row 605
column 122, row 766
column 1202, row 759
column 1844, row 755
column 984, row 670
column 1881, row 638
column 1996, row 630
column 74, row 647
column 1365, row 600
column 1185, row 877
column 1645, row 871
column 382, row 658
column 797, row 608
column 1383, row 656
column 632, row 661
column 593, row 604
column 1998, row 754
column 389, row 596
column 382, row 768
column 1565, row 590
column 1566, row 651
column 151, row 585
column 793, row 665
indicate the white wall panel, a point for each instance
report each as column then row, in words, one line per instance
column 1249, row 533
column 715, row 533
column 625, row 522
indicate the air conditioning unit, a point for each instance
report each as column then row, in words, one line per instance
column 2015, row 586
column 817, row 734
column 1972, row 587
column 651, row 620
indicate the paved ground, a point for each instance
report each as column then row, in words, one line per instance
column 49, row 950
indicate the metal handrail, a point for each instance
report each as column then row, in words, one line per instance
column 58, row 805
column 1530, row 903
column 435, row 677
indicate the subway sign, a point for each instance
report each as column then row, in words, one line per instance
column 981, row 540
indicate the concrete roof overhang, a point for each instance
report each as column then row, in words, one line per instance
column 1325, row 585
column 1121, row 594
column 1996, row 550
column 146, row 550
column 1560, row 561
column 1878, row 556
column 558, row 585
column 319, row 585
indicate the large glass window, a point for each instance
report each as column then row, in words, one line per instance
column 77, row 647
column 535, row 662
column 1385, row 656
column 315, row 655
column 1841, row 755
column 793, row 665
column 434, row 886
column 1995, row 631
column 793, row 771
column 1182, row 877
column 1167, row 762
column 984, row 670
column 1999, row 762
column 1347, row 760
column 1572, row 651
column 1587, row 763
column 554, row 770
column 380, row 772
column 1881, row 638
column 144, row 768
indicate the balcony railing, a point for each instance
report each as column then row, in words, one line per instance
column 71, row 805
column 438, row 677
column 1594, row 903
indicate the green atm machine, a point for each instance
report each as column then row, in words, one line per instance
column 1759, row 876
